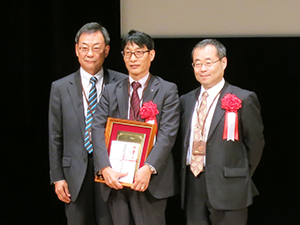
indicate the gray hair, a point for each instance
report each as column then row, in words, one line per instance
column 91, row 28
column 221, row 50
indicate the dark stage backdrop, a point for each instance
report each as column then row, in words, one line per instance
column 37, row 47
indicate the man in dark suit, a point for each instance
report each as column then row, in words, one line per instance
column 222, row 142
column 70, row 150
column 145, row 202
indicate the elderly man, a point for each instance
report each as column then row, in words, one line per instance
column 72, row 103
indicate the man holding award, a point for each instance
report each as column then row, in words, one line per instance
column 147, row 98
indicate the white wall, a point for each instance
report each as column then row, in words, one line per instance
column 194, row 18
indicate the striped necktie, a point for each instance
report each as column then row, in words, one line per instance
column 135, row 102
column 92, row 103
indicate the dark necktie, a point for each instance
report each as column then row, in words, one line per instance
column 92, row 102
column 135, row 102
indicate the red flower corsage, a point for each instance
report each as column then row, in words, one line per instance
column 148, row 112
column 231, row 104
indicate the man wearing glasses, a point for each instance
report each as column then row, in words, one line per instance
column 222, row 142
column 145, row 202
column 72, row 104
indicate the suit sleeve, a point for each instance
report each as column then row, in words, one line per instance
column 55, row 135
column 98, row 130
column 167, row 128
column 252, row 131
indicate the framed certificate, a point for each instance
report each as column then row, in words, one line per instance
column 128, row 144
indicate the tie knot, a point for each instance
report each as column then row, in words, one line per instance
column 135, row 85
column 93, row 80
column 205, row 94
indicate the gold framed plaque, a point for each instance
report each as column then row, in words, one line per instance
column 128, row 144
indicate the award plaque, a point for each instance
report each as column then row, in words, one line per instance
column 128, row 144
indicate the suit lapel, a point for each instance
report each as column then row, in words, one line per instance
column 75, row 92
column 219, row 112
column 191, row 102
column 122, row 98
column 189, row 110
column 106, row 76
column 151, row 89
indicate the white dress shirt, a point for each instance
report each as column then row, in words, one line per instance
column 212, row 93
column 140, row 90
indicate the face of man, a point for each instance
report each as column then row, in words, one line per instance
column 91, row 51
column 138, row 67
column 211, row 69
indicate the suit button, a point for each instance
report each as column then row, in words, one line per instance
column 84, row 159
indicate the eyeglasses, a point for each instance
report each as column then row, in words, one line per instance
column 138, row 53
column 95, row 49
column 206, row 64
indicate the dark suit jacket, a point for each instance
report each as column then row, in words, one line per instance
column 114, row 103
column 68, row 157
column 229, row 165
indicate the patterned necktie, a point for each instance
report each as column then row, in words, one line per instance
column 199, row 144
column 92, row 102
column 135, row 102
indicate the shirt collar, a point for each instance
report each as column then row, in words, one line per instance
column 213, row 91
column 142, row 81
column 85, row 76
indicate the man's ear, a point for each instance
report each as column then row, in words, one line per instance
column 152, row 54
column 106, row 50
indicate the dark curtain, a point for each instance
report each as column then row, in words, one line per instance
column 37, row 47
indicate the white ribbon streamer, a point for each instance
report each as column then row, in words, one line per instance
column 151, row 121
column 230, row 125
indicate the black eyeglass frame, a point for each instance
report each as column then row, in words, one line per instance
column 134, row 52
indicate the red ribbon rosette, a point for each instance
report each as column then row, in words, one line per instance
column 148, row 112
column 231, row 104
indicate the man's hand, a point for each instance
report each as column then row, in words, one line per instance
column 111, row 177
column 141, row 179
column 62, row 191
